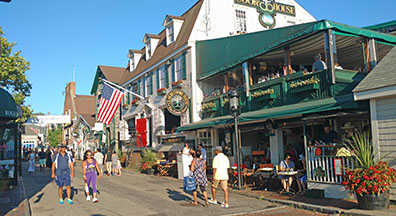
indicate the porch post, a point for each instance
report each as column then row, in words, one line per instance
column 307, row 166
column 287, row 61
column 276, row 146
column 372, row 53
column 330, row 52
column 245, row 72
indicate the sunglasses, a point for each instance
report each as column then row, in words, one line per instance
column 89, row 155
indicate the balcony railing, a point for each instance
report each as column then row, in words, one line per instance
column 291, row 89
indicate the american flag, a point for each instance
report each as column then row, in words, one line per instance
column 109, row 101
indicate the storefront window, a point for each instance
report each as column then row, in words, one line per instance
column 7, row 152
column 204, row 138
column 172, row 122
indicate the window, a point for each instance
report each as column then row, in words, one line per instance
column 147, row 81
column 162, row 74
column 204, row 137
column 132, row 63
column 178, row 69
column 142, row 92
column 171, row 34
column 134, row 89
column 240, row 22
column 148, row 47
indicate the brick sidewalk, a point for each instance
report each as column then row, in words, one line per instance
column 15, row 202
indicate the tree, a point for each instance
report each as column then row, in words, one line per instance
column 12, row 75
column 55, row 136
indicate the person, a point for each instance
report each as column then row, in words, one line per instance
column 187, row 158
column 285, row 166
column 114, row 158
column 99, row 159
column 198, row 167
column 62, row 168
column 290, row 150
column 32, row 158
column 42, row 158
column 328, row 135
column 108, row 161
column 118, row 167
column 318, row 65
column 203, row 152
column 220, row 175
column 302, row 176
column 90, row 169
column 49, row 158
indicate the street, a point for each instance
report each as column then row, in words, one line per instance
column 136, row 194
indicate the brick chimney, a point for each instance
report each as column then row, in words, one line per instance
column 71, row 88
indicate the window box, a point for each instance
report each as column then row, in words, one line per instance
column 266, row 97
column 161, row 91
column 305, row 88
column 209, row 107
column 177, row 84
column 125, row 106
column 135, row 102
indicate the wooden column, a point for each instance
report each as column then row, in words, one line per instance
column 329, row 51
column 287, row 61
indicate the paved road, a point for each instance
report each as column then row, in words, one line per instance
column 136, row 194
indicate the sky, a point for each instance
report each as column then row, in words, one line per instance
column 54, row 35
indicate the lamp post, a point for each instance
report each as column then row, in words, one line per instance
column 235, row 111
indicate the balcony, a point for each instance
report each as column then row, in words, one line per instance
column 287, row 90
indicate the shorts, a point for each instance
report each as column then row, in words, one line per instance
column 303, row 179
column 108, row 163
column 63, row 180
column 286, row 177
column 114, row 165
column 222, row 183
column 100, row 166
column 42, row 162
column 201, row 187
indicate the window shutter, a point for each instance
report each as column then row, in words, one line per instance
column 184, row 72
column 138, row 87
column 173, row 70
column 144, row 86
column 157, row 78
column 167, row 68
column 151, row 83
column 129, row 95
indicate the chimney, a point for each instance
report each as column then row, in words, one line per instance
column 71, row 88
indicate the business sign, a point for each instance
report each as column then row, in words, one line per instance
column 177, row 102
column 54, row 119
column 268, row 9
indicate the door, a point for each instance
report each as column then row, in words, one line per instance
column 141, row 129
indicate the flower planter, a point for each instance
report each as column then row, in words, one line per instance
column 177, row 86
column 150, row 171
column 265, row 97
column 163, row 92
column 125, row 107
column 136, row 104
column 373, row 201
column 305, row 88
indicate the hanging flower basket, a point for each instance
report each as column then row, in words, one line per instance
column 135, row 102
column 161, row 91
column 177, row 84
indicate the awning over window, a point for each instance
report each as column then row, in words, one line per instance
column 217, row 55
column 169, row 147
column 295, row 110
column 8, row 108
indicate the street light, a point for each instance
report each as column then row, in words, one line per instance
column 235, row 111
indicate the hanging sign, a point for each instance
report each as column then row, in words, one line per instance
column 268, row 9
column 177, row 102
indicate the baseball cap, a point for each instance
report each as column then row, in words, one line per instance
column 219, row 148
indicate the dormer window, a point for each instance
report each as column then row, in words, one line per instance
column 151, row 42
column 134, row 58
column 171, row 36
column 173, row 25
column 148, row 49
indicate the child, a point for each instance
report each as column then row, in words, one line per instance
column 119, row 167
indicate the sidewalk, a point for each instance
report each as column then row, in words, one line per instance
column 324, row 205
column 14, row 202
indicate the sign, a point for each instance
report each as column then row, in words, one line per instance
column 173, row 140
column 98, row 127
column 268, row 9
column 54, row 119
column 338, row 166
column 177, row 102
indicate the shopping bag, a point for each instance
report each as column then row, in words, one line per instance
column 189, row 183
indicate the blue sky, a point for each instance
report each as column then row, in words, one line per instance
column 55, row 35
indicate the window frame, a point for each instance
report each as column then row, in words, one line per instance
column 162, row 77
column 178, row 71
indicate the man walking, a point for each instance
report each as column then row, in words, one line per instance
column 220, row 175
column 108, row 161
column 203, row 151
column 42, row 159
column 98, row 156
column 62, row 167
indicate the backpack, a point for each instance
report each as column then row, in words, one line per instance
column 70, row 159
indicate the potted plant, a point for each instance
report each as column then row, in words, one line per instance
column 135, row 102
column 161, row 91
column 370, row 178
column 125, row 106
column 149, row 158
column 177, row 84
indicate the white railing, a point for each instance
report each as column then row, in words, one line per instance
column 326, row 163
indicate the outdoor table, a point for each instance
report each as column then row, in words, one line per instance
column 265, row 169
column 291, row 173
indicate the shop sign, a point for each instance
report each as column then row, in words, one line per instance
column 268, row 9
column 173, row 140
column 177, row 102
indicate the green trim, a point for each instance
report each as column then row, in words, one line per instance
column 385, row 43
column 157, row 79
column 183, row 61
column 151, row 84
column 172, row 69
column 381, row 25
column 8, row 108
column 96, row 82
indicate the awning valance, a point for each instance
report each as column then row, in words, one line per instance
column 8, row 108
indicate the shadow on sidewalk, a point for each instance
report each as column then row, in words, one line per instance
column 177, row 196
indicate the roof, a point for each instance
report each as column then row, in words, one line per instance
column 162, row 51
column 90, row 119
column 175, row 17
column 153, row 36
column 136, row 51
column 383, row 75
column 381, row 25
column 30, row 131
column 112, row 74
column 214, row 56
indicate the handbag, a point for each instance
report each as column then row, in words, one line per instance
column 189, row 183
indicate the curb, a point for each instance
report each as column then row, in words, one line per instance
column 25, row 200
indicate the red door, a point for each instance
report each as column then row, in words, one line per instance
column 141, row 129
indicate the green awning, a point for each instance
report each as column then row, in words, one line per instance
column 8, row 108
column 322, row 105
column 217, row 55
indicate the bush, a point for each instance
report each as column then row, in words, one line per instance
column 149, row 158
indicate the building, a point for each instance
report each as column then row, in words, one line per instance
column 386, row 27
column 31, row 138
column 165, row 70
column 285, row 103
column 78, row 108
column 379, row 87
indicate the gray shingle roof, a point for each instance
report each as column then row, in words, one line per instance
column 383, row 75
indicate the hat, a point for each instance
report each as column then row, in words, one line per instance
column 219, row 148
column 347, row 125
column 62, row 146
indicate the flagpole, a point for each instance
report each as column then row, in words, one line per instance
column 111, row 83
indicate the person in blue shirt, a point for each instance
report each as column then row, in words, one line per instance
column 285, row 166
column 203, row 151
column 62, row 168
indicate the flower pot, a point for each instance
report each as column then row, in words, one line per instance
column 305, row 88
column 163, row 92
column 373, row 201
column 177, row 86
column 266, row 97
column 150, row 171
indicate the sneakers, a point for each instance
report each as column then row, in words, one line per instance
column 70, row 201
column 94, row 200
column 88, row 198
column 224, row 205
column 212, row 201
column 61, row 201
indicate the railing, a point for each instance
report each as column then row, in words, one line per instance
column 290, row 89
column 321, row 168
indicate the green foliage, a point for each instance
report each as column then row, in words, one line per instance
column 12, row 75
column 364, row 153
column 55, row 136
column 150, row 157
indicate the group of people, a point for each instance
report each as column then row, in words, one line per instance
column 44, row 157
column 113, row 163
column 194, row 165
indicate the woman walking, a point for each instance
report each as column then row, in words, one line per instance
column 198, row 167
column 90, row 167
column 32, row 161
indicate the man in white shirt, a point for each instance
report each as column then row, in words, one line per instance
column 220, row 175
column 99, row 159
